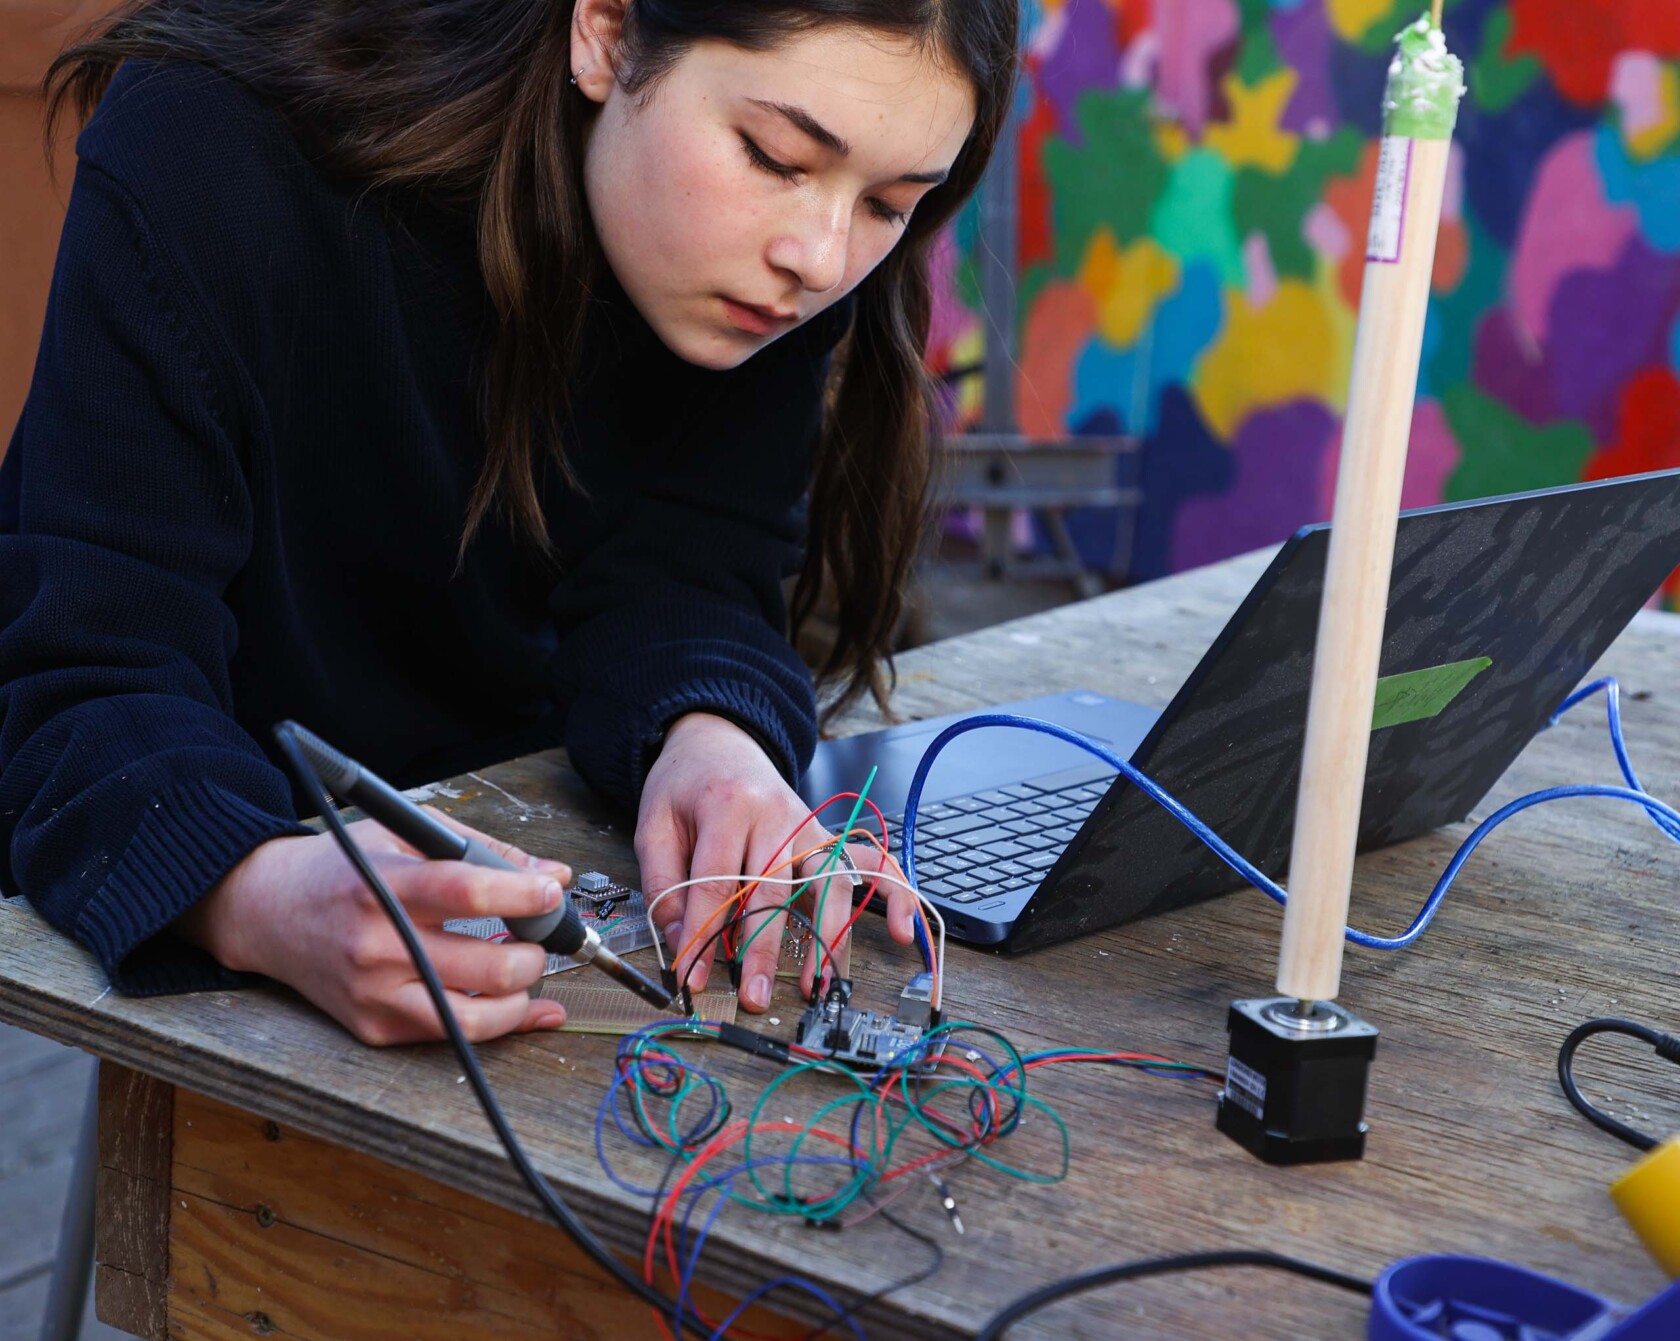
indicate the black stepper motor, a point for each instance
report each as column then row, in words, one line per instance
column 1295, row 1082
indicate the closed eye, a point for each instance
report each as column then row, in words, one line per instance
column 763, row 161
column 787, row 172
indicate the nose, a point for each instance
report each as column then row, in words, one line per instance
column 813, row 246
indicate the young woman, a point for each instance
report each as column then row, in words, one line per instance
column 460, row 378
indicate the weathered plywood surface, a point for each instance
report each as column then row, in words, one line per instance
column 278, row 1230
column 133, row 1209
column 1565, row 914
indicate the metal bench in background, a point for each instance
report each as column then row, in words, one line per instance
column 1000, row 473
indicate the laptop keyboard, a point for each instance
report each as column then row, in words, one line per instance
column 971, row 849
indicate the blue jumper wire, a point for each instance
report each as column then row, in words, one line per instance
column 1665, row 817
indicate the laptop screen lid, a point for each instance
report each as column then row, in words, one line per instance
column 1498, row 608
column 974, row 761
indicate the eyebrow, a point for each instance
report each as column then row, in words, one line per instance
column 799, row 117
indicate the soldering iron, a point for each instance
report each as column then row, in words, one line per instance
column 562, row 931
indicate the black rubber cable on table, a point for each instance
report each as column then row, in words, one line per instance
column 1667, row 1046
column 1160, row 1266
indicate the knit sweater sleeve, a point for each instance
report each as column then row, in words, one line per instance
column 682, row 608
column 127, row 789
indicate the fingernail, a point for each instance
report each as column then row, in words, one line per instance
column 555, row 1019
column 758, row 991
column 552, row 893
column 673, row 935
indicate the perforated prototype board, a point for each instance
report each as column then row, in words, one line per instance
column 617, row 912
column 606, row 1008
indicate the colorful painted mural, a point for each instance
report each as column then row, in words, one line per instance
column 1196, row 178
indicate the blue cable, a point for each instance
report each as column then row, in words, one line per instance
column 1613, row 710
column 696, row 1194
column 631, row 1067
column 810, row 1287
column 1664, row 816
column 610, row 1101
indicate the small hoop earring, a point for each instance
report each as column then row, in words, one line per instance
column 578, row 74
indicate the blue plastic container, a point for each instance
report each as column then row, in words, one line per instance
column 1450, row 1298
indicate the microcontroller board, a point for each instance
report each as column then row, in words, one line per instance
column 867, row 1039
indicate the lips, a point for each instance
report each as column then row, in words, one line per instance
column 773, row 313
column 756, row 319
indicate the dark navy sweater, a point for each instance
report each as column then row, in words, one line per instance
column 237, row 492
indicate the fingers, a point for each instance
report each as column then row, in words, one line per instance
column 829, row 903
column 764, row 931
column 764, row 952
column 408, row 1016
column 719, row 850
column 833, row 893
column 437, row 891
column 663, row 859
column 492, row 968
column 901, row 902
column 830, row 906
column 383, row 1000
column 540, row 1014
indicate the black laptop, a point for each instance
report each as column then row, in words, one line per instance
column 1498, row 608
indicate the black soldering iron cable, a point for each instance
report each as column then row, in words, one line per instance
column 1158, row 1266
column 1666, row 1046
column 854, row 1311
column 563, row 1214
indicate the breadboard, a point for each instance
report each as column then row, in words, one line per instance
column 606, row 1008
column 617, row 912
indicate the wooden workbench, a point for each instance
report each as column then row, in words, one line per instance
column 263, row 1173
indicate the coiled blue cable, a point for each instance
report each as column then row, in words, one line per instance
column 1664, row 816
column 725, row 1182
column 809, row 1287
column 1613, row 710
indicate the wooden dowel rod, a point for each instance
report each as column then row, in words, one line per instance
column 1387, row 347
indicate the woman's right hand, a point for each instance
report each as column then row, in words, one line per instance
column 295, row 910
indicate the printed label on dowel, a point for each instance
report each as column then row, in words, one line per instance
column 1388, row 208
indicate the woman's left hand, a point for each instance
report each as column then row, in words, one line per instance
column 714, row 805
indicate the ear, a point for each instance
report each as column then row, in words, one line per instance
column 596, row 28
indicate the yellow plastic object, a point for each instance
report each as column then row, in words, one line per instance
column 1648, row 1196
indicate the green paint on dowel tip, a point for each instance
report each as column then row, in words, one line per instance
column 1425, row 83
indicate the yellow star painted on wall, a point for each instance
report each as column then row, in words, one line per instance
column 1268, row 356
column 1251, row 138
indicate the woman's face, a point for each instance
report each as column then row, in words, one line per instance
column 750, row 190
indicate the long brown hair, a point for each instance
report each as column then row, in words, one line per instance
column 472, row 100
